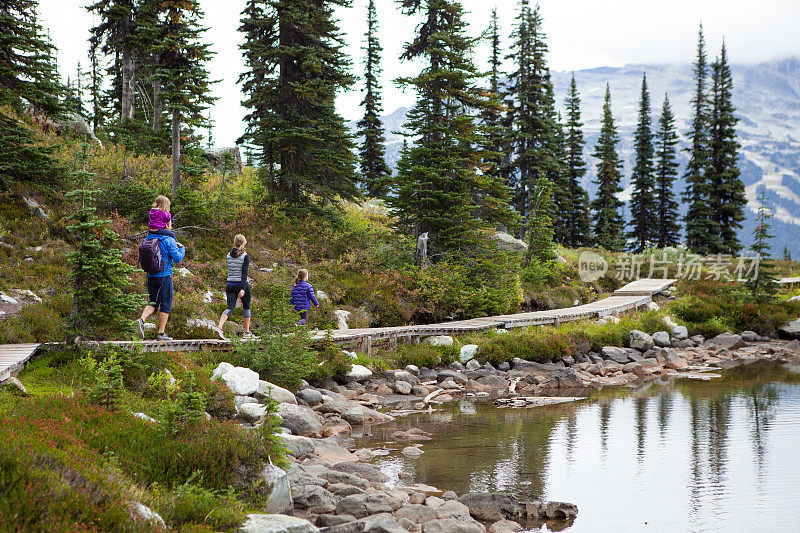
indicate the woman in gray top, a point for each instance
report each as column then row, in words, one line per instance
column 238, row 286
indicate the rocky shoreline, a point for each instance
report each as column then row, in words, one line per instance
column 330, row 488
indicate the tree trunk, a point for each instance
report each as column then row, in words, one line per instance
column 158, row 105
column 176, row 151
column 128, row 84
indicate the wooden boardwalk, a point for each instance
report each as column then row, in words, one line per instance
column 632, row 296
column 788, row 281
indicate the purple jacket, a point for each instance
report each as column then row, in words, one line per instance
column 302, row 296
column 158, row 219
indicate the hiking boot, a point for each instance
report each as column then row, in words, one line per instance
column 140, row 327
column 163, row 337
column 248, row 336
column 219, row 333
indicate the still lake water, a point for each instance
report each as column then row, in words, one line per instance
column 681, row 455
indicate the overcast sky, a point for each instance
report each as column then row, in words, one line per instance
column 581, row 34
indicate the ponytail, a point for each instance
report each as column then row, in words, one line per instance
column 302, row 275
column 239, row 242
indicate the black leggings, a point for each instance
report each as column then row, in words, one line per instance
column 232, row 294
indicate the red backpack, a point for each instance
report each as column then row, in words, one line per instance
column 150, row 256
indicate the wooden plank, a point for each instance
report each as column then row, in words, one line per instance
column 14, row 356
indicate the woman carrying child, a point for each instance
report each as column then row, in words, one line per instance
column 303, row 296
column 238, row 286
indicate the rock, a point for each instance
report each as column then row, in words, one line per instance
column 35, row 208
column 411, row 451
column 298, row 446
column 439, row 340
column 635, row 368
column 558, row 510
column 617, row 354
column 17, row 387
column 509, row 242
column 492, row 506
column 652, row 306
column 338, row 477
column 276, row 523
column 314, row 498
column 301, row 420
column 185, row 272
column 661, row 338
column 452, row 509
column 358, row 373
column 330, row 451
column 139, row 512
column 361, row 505
column 354, row 416
column 453, row 525
column 402, row 387
column 468, row 352
column 251, row 412
column 674, row 362
column 208, row 297
column 682, row 343
column 335, row 426
column 433, row 501
column 342, row 317
column 328, row 520
column 416, row 513
column 279, row 394
column 791, row 329
column 381, row 523
column 505, row 366
column 457, row 377
column 473, row 364
column 562, row 378
column 241, row 381
column 309, row 396
column 639, row 340
column 348, row 527
column 728, row 341
column 669, row 322
column 750, row 336
column 363, row 470
column 280, row 497
column 596, row 369
column 402, row 375
column 225, row 159
column 413, row 369
column 680, row 332
column 449, row 496
column 504, row 526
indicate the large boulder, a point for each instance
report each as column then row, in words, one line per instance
column 276, row 523
column 240, row 380
column 456, row 524
column 492, row 506
column 363, row 470
column 280, row 496
column 509, row 242
column 381, row 523
column 309, row 396
column 416, row 513
column 639, row 340
column 314, row 498
column 361, row 505
column 227, row 159
column 357, row 373
column 562, row 378
column 619, row 355
column 439, row 340
column 680, row 332
column 791, row 329
column 279, row 394
column 728, row 341
column 468, row 353
column 251, row 412
column 661, row 338
column 299, row 419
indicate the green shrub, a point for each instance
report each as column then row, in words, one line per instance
column 105, row 380
column 192, row 504
column 423, row 355
column 332, row 362
column 280, row 359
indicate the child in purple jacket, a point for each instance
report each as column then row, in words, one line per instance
column 303, row 296
column 160, row 219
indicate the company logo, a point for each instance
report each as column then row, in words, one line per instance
column 591, row 266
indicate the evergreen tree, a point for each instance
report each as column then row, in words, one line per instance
column 295, row 66
column 763, row 283
column 726, row 198
column 117, row 34
column 495, row 159
column 27, row 76
column 579, row 225
column 700, row 229
column 540, row 224
column 786, row 255
column 98, row 114
column 375, row 172
column 102, row 296
column 608, row 222
column 439, row 189
column 560, row 183
column 666, row 227
column 174, row 34
column 643, row 204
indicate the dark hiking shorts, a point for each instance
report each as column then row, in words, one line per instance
column 159, row 291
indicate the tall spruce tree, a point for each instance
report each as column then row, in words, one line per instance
column 560, row 183
column 375, row 172
column 579, row 224
column 642, row 204
column 440, row 190
column 117, row 34
column 727, row 199
column 295, row 66
column 495, row 159
column 763, row 283
column 667, row 228
column 174, row 34
column 540, row 224
column 608, row 222
column 27, row 77
column 700, row 229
